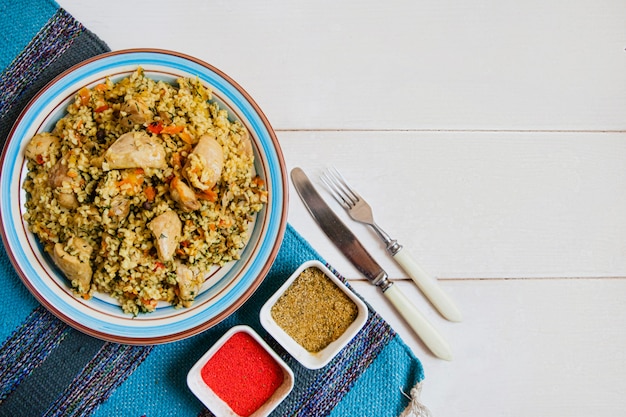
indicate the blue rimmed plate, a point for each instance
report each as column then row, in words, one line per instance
column 226, row 289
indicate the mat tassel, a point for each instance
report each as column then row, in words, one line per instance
column 415, row 407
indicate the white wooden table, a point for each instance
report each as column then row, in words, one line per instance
column 489, row 136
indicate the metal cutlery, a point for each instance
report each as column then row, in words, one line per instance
column 360, row 210
column 352, row 249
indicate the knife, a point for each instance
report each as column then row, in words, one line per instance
column 352, row 249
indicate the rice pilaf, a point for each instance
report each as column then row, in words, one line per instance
column 142, row 188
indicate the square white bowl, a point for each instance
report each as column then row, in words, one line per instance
column 218, row 406
column 312, row 360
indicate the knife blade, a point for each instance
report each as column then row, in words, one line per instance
column 354, row 251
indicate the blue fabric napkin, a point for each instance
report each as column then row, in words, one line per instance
column 48, row 368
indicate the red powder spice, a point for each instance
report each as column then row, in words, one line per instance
column 243, row 374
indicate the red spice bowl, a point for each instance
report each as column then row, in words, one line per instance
column 240, row 376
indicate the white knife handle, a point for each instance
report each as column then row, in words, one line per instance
column 422, row 327
column 431, row 289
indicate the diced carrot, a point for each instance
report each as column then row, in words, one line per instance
column 100, row 109
column 150, row 193
column 46, row 231
column 40, row 160
column 133, row 178
column 130, row 181
column 225, row 223
column 149, row 303
column 84, row 95
column 258, row 181
column 172, row 129
column 155, row 127
column 208, row 195
column 177, row 160
column 186, row 137
column 101, row 87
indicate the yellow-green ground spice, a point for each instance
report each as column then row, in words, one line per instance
column 313, row 310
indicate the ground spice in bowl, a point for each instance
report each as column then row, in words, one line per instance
column 313, row 310
column 243, row 374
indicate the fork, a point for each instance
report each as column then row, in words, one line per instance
column 358, row 209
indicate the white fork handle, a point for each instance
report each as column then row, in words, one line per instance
column 431, row 289
column 422, row 327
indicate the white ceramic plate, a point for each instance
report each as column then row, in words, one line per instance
column 226, row 289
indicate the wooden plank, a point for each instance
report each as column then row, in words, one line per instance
column 477, row 204
column 400, row 64
column 526, row 347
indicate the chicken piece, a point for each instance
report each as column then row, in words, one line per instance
column 59, row 175
column 41, row 146
column 135, row 112
column 97, row 161
column 135, row 150
column 244, row 148
column 188, row 284
column 165, row 117
column 167, row 230
column 204, row 165
column 120, row 207
column 77, row 267
column 183, row 195
column 66, row 198
column 245, row 144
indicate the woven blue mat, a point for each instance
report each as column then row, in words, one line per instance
column 48, row 368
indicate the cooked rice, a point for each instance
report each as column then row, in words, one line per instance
column 111, row 209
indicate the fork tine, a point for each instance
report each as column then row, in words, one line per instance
column 335, row 191
column 339, row 188
column 343, row 184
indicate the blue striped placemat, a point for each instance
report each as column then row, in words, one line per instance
column 48, row 368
